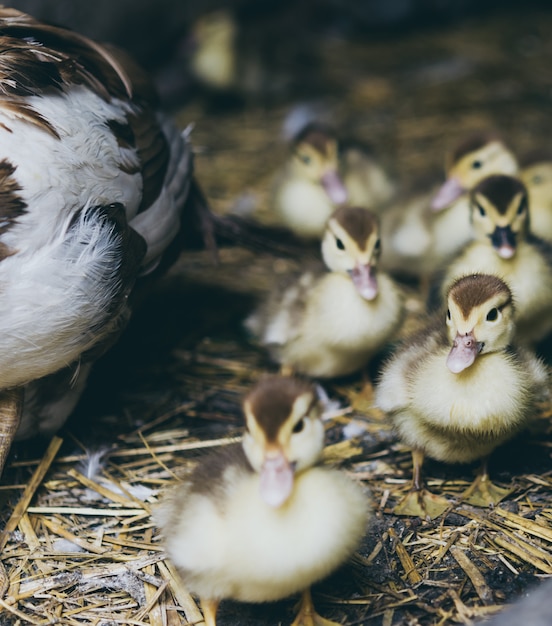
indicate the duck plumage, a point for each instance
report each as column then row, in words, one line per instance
column 330, row 323
column 94, row 183
column 262, row 520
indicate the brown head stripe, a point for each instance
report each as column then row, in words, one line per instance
column 500, row 190
column 472, row 143
column 476, row 289
column 317, row 135
column 272, row 399
column 358, row 222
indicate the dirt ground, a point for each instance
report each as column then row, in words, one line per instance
column 173, row 385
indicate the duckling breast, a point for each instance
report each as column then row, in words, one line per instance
column 251, row 552
column 462, row 417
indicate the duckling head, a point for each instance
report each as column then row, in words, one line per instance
column 351, row 245
column 499, row 212
column 480, row 319
column 477, row 157
column 284, row 434
column 315, row 158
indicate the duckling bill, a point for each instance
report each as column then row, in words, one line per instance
column 262, row 520
column 461, row 387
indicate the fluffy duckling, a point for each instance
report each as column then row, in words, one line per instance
column 366, row 181
column 459, row 388
column 330, row 323
column 237, row 55
column 536, row 174
column 309, row 187
column 213, row 60
column 260, row 521
column 322, row 174
column 500, row 217
column 426, row 231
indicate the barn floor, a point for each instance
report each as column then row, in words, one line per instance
column 80, row 546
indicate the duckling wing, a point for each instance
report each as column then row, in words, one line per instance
column 278, row 320
column 393, row 390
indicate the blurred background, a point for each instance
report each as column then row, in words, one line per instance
column 160, row 33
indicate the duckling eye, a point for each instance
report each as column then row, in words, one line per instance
column 299, row 426
column 448, row 314
column 340, row 245
column 537, row 179
column 476, row 165
column 481, row 210
column 377, row 245
column 305, row 158
column 492, row 315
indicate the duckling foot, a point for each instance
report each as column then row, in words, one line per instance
column 482, row 492
column 422, row 503
column 307, row 616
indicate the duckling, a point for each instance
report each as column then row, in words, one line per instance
column 213, row 60
column 238, row 57
column 425, row 232
column 262, row 520
column 500, row 217
column 367, row 183
column 309, row 187
column 459, row 387
column 322, row 174
column 327, row 324
column 536, row 174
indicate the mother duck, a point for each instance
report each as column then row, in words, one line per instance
column 94, row 184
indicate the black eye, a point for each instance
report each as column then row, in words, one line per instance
column 299, row 426
column 448, row 314
column 537, row 179
column 377, row 245
column 339, row 244
column 305, row 158
column 522, row 206
column 492, row 315
column 480, row 209
column 476, row 165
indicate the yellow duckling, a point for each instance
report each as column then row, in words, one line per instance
column 536, row 174
column 430, row 229
column 366, row 181
column 330, row 323
column 500, row 216
column 458, row 389
column 260, row 521
column 213, row 61
column 309, row 187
